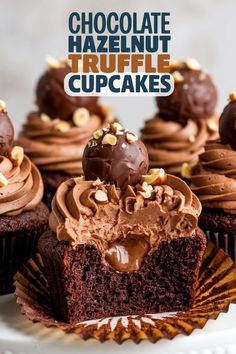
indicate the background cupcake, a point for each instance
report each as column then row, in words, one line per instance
column 214, row 182
column 185, row 121
column 23, row 217
column 55, row 135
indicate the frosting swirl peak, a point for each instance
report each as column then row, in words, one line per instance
column 171, row 144
column 22, row 187
column 56, row 145
column 214, row 178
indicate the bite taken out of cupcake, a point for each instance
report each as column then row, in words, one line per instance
column 214, row 182
column 23, row 217
column 185, row 120
column 123, row 240
column 55, row 135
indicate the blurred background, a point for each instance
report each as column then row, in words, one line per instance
column 204, row 29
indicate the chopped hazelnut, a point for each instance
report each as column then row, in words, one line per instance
column 2, row 105
column 98, row 134
column 116, row 127
column 17, row 155
column 3, row 180
column 62, row 126
column 97, row 182
column 232, row 96
column 92, row 143
column 212, row 125
column 177, row 76
column 192, row 139
column 101, row 196
column 109, row 139
column 52, row 62
column 145, row 190
column 81, row 117
column 186, row 170
column 45, row 118
column 131, row 138
column 192, row 64
column 155, row 177
column 79, row 179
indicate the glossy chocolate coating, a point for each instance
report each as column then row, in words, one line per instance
column 227, row 126
column 6, row 133
column 193, row 98
column 122, row 164
column 127, row 255
column 54, row 101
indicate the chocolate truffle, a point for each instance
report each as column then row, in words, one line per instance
column 227, row 127
column 53, row 100
column 6, row 131
column 194, row 96
column 115, row 156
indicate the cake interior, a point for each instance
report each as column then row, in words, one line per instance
column 84, row 286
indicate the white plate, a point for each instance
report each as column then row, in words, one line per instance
column 20, row 336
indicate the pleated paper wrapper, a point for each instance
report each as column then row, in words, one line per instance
column 216, row 289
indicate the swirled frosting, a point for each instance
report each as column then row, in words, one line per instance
column 79, row 217
column 52, row 149
column 214, row 178
column 171, row 144
column 23, row 189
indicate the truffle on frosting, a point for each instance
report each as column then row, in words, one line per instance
column 51, row 97
column 115, row 156
column 6, row 130
column 194, row 96
column 227, row 126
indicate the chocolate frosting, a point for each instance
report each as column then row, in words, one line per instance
column 171, row 144
column 24, row 190
column 6, row 133
column 214, row 178
column 122, row 163
column 54, row 150
column 227, row 127
column 52, row 98
column 194, row 97
column 112, row 225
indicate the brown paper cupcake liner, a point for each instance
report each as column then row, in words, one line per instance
column 14, row 250
column 216, row 289
column 226, row 241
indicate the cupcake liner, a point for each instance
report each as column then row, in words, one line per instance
column 14, row 250
column 216, row 289
column 224, row 240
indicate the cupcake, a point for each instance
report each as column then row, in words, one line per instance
column 123, row 240
column 55, row 135
column 23, row 217
column 214, row 182
column 186, row 120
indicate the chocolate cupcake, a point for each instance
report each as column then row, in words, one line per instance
column 214, row 182
column 186, row 120
column 55, row 135
column 23, row 217
column 123, row 241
